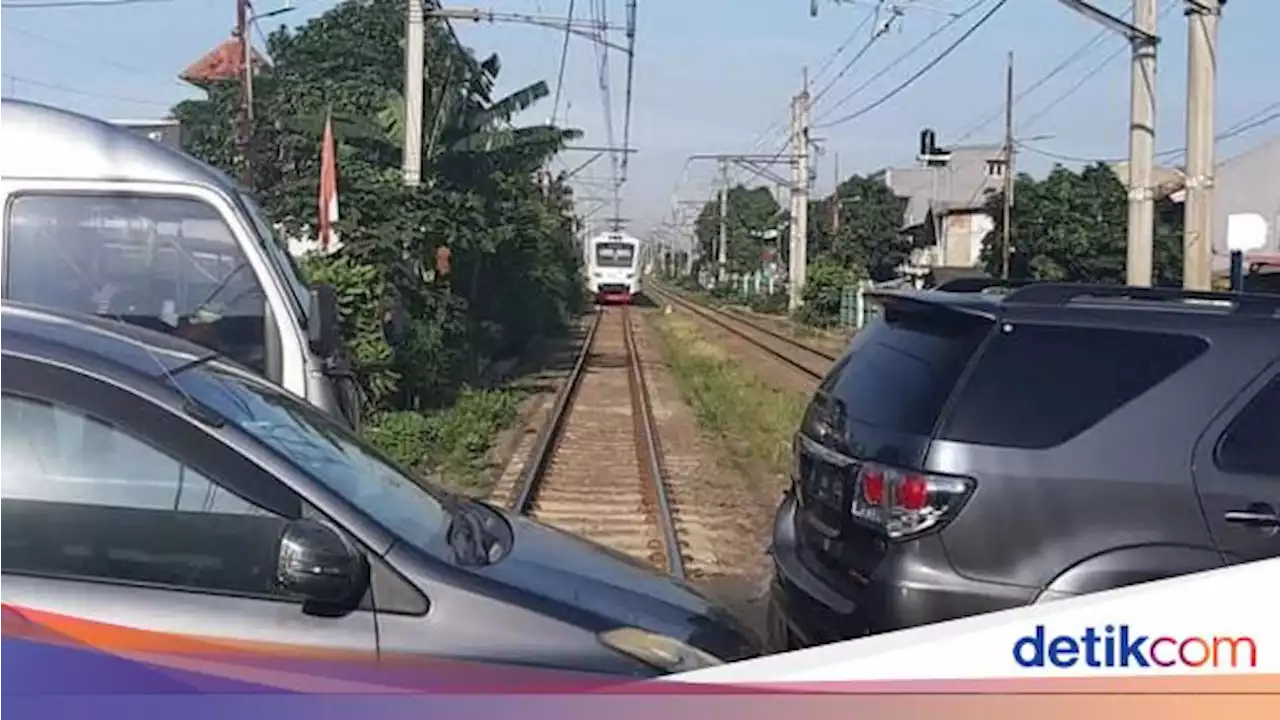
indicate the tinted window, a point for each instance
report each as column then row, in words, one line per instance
column 84, row 498
column 611, row 254
column 328, row 452
column 901, row 369
column 1038, row 386
column 1249, row 445
column 170, row 264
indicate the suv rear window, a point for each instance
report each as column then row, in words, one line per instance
column 1038, row 386
column 902, row 368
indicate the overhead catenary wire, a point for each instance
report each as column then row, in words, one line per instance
column 626, row 106
column 564, row 60
column 1255, row 120
column 781, row 119
column 866, row 47
column 1093, row 73
column 84, row 93
column 60, row 4
column 909, row 52
column 1077, row 55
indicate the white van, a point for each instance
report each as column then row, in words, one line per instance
column 100, row 220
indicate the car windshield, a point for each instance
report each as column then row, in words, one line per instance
column 412, row 510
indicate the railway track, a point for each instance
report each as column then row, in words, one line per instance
column 810, row 360
column 596, row 469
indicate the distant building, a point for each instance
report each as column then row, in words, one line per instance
column 946, row 206
column 1245, row 183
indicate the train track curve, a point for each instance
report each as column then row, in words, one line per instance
column 577, row 477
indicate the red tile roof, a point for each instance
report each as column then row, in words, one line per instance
column 224, row 61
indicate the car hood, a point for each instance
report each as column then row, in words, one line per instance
column 616, row 590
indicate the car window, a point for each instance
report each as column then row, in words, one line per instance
column 311, row 441
column 167, row 263
column 901, row 369
column 84, row 498
column 1038, row 386
column 1249, row 445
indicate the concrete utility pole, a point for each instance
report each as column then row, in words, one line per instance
column 1142, row 37
column 414, row 78
column 799, row 196
column 1202, row 51
column 1006, row 245
column 246, row 90
column 722, row 251
column 835, row 196
column 1139, row 265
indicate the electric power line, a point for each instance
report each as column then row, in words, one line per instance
column 85, row 93
column 928, row 65
column 1250, row 123
column 1093, row 73
column 879, row 33
column 844, row 44
column 1075, row 56
column 56, row 4
column 564, row 58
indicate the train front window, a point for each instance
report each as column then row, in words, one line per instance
column 614, row 255
column 166, row 263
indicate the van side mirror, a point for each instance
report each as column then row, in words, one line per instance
column 322, row 320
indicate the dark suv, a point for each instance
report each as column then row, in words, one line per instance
column 976, row 451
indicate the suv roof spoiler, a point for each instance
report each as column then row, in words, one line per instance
column 981, row 301
column 1051, row 293
column 980, row 284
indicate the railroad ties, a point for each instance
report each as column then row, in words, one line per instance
column 596, row 470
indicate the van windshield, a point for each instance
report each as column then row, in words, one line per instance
column 163, row 262
column 280, row 257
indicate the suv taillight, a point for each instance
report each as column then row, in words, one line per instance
column 905, row 503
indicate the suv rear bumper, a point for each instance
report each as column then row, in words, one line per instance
column 913, row 585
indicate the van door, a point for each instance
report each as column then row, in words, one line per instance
column 173, row 258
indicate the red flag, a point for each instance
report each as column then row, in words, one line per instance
column 328, row 201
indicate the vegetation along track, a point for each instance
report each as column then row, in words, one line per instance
column 596, row 468
column 811, row 361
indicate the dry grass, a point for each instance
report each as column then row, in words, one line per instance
column 751, row 419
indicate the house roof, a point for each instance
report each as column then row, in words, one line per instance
column 1168, row 180
column 959, row 185
column 223, row 62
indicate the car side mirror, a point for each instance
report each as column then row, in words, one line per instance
column 314, row 561
column 322, row 325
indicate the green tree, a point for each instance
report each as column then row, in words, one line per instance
column 869, row 240
column 515, row 271
column 1071, row 226
column 752, row 215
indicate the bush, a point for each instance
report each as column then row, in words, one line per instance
column 823, row 289
column 362, row 296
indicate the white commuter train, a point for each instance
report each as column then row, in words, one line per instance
column 614, row 267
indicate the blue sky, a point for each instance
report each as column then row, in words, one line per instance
column 714, row 75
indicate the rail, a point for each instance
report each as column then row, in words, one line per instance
column 734, row 324
column 573, row 479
